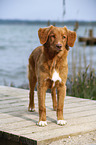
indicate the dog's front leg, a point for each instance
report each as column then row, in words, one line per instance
column 61, row 93
column 41, row 104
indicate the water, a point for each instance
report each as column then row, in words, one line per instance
column 17, row 43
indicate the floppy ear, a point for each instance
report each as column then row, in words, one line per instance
column 43, row 34
column 71, row 37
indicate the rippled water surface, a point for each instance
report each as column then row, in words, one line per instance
column 18, row 41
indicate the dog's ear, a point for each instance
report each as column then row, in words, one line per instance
column 71, row 37
column 43, row 34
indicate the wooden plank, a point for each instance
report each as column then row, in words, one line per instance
column 24, row 129
column 42, row 134
column 53, row 118
column 82, row 39
column 16, row 121
column 88, row 40
column 63, row 132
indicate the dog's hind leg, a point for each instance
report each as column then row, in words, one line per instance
column 53, row 93
column 32, row 83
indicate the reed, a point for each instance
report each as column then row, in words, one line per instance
column 83, row 85
column 82, row 81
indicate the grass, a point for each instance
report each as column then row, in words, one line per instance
column 82, row 80
column 83, row 85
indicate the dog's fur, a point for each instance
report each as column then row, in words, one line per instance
column 49, row 68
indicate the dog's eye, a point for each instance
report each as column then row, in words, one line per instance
column 64, row 36
column 53, row 35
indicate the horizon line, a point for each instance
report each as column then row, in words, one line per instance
column 22, row 20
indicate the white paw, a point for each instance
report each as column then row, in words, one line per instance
column 42, row 123
column 31, row 110
column 61, row 122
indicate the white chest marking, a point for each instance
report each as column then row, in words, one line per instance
column 56, row 76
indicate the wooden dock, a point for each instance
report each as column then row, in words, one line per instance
column 18, row 126
column 88, row 40
column 91, row 40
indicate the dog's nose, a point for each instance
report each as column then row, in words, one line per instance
column 58, row 46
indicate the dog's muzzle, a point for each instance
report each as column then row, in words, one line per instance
column 58, row 46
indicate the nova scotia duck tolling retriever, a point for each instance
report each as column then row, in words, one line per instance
column 49, row 68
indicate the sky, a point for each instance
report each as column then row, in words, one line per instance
column 48, row 10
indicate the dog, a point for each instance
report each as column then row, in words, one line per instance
column 49, row 68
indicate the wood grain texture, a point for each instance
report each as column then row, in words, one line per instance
column 17, row 124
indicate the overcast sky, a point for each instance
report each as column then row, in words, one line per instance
column 48, row 9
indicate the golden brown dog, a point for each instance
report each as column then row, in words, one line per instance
column 49, row 68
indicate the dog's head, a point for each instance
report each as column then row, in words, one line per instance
column 56, row 38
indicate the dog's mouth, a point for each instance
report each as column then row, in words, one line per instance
column 58, row 47
column 58, row 50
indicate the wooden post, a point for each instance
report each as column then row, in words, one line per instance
column 91, row 36
column 90, row 33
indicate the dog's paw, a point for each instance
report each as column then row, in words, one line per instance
column 31, row 109
column 42, row 123
column 61, row 122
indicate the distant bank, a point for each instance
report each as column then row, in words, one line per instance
column 37, row 22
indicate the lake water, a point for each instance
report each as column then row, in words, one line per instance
column 17, row 43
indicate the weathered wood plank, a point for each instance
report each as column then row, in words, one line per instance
column 28, row 128
column 16, row 121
